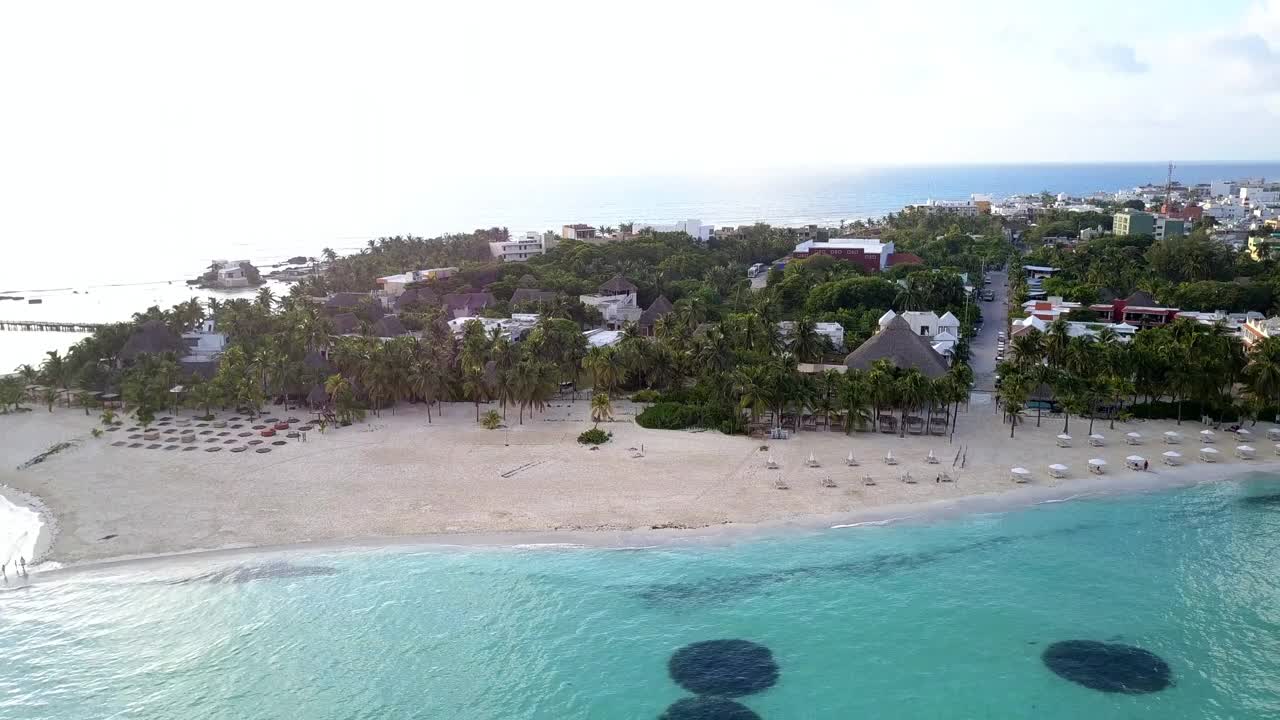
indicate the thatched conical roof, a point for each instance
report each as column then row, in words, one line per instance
column 313, row 360
column 898, row 344
column 389, row 326
column 618, row 285
column 345, row 324
column 152, row 336
column 660, row 307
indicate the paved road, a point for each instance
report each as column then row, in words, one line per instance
column 995, row 318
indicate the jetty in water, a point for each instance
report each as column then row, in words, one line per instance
column 49, row 326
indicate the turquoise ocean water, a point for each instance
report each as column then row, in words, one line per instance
column 943, row 620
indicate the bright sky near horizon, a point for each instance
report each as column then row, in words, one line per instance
column 187, row 110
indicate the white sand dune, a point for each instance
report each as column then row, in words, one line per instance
column 398, row 476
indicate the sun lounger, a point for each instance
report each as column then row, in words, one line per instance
column 781, row 484
column 770, row 464
column 1209, row 455
column 849, row 461
column 1064, row 441
column 1244, row 452
column 1171, row 458
column 828, row 482
column 1135, row 462
column 1206, row 436
column 1097, row 440
column 1058, row 470
column 906, row 478
column 932, row 459
column 868, row 480
column 812, row 461
column 889, row 459
column 1273, row 433
column 1097, row 466
column 1020, row 475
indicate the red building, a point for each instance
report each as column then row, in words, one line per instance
column 1139, row 310
column 872, row 255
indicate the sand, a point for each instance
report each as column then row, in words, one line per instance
column 397, row 476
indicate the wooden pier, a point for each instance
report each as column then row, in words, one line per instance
column 49, row 326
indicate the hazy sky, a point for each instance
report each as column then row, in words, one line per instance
column 171, row 114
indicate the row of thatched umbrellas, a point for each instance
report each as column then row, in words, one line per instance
column 215, row 434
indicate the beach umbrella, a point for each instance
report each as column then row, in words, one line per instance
column 1058, row 470
column 1273, row 433
column 1244, row 451
column 1171, row 454
column 1096, row 439
column 1097, row 462
column 1242, row 433
column 1020, row 474
column 1135, row 458
column 1206, row 435
column 1172, row 437
column 1134, row 435
column 1064, row 436
column 1064, row 440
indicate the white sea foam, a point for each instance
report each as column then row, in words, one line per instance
column 19, row 531
column 874, row 523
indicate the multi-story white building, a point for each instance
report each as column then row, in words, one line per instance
column 693, row 228
column 394, row 285
column 967, row 208
column 1226, row 211
column 1260, row 195
column 523, row 247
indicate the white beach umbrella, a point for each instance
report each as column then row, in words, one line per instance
column 1020, row 474
column 1058, row 470
column 1243, row 433
column 1096, row 436
column 1064, row 436
column 1171, row 454
column 1273, row 433
column 1135, row 459
column 1209, row 451
column 1097, row 462
column 1133, row 436
column 1172, row 437
column 1206, row 435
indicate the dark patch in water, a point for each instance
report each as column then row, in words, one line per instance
column 249, row 573
column 708, row 708
column 727, row 668
column 1108, row 667
column 112, row 536
column 723, row 589
column 1262, row 501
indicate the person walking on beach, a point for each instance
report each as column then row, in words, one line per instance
column 1144, row 466
column 24, row 566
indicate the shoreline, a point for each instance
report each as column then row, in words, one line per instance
column 397, row 481
column 630, row 539
column 46, row 524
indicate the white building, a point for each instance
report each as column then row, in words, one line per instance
column 519, row 249
column 1124, row 331
column 231, row 274
column 830, row 330
column 1259, row 195
column 204, row 343
column 602, row 338
column 925, row 323
column 967, row 208
column 512, row 327
column 693, row 228
column 394, row 285
column 1258, row 329
column 616, row 311
column 1225, row 211
column 1223, row 188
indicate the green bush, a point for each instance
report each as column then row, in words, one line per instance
column 646, row 396
column 594, row 436
column 491, row 420
column 669, row 416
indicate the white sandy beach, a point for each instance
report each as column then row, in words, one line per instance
column 398, row 476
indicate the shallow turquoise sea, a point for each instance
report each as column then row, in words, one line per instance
column 941, row 620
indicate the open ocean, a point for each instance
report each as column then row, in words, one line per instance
column 123, row 272
column 1161, row 605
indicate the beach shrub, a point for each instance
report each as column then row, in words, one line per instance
column 96, row 432
column 491, row 420
column 594, row 436
column 645, row 396
column 668, row 416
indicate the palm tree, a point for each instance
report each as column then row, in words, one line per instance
column 606, row 371
column 1263, row 370
column 807, row 344
column 265, row 298
column 1014, row 390
column 601, row 408
column 913, row 391
column 854, row 399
